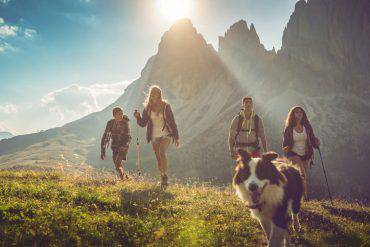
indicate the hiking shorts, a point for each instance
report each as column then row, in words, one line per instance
column 255, row 153
column 291, row 154
column 119, row 153
column 156, row 140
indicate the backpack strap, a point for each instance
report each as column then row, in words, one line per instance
column 239, row 126
column 256, row 127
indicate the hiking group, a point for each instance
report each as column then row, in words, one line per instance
column 246, row 132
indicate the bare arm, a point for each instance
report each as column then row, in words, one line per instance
column 143, row 119
column 232, row 134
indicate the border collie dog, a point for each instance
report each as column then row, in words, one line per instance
column 272, row 190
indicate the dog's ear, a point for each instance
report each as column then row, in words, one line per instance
column 269, row 156
column 244, row 155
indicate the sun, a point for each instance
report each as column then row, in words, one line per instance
column 173, row 10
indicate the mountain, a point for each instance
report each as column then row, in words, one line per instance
column 322, row 66
column 5, row 135
column 195, row 81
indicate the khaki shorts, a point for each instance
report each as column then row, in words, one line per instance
column 156, row 140
column 118, row 152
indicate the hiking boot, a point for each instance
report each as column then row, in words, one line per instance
column 164, row 180
column 125, row 177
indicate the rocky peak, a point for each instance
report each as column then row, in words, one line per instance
column 181, row 37
column 241, row 50
column 240, row 34
column 185, row 62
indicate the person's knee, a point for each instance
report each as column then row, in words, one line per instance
column 163, row 155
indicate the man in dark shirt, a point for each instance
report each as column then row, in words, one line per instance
column 118, row 131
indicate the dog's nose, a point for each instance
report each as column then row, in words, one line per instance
column 253, row 187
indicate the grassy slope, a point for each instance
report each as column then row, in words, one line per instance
column 53, row 209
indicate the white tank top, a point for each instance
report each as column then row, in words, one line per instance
column 158, row 124
column 299, row 142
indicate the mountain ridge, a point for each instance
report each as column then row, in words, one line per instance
column 205, row 88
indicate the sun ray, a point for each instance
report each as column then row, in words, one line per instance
column 173, row 10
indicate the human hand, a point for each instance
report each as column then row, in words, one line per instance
column 286, row 149
column 177, row 143
column 102, row 155
column 136, row 114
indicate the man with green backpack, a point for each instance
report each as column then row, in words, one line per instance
column 246, row 131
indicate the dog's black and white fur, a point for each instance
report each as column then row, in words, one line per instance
column 272, row 191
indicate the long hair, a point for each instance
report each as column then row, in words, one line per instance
column 149, row 97
column 290, row 119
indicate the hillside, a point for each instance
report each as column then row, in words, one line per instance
column 43, row 208
column 5, row 135
column 322, row 66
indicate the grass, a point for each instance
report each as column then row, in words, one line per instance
column 51, row 209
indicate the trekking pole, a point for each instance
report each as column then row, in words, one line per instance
column 309, row 187
column 326, row 179
column 138, row 163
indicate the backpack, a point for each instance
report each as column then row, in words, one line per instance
column 255, row 129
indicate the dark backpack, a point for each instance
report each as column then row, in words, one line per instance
column 255, row 129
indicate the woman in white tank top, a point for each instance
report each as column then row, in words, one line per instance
column 161, row 127
column 299, row 141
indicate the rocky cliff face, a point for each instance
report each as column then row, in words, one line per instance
column 322, row 66
column 331, row 37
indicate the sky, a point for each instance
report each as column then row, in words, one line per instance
column 63, row 59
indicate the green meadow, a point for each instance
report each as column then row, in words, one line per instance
column 54, row 209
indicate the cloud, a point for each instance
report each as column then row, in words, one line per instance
column 4, row 46
column 29, row 33
column 77, row 101
column 8, row 109
column 8, row 31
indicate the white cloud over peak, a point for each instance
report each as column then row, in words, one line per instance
column 76, row 101
column 1, row 20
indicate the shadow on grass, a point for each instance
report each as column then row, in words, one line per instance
column 140, row 202
column 335, row 234
column 358, row 216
